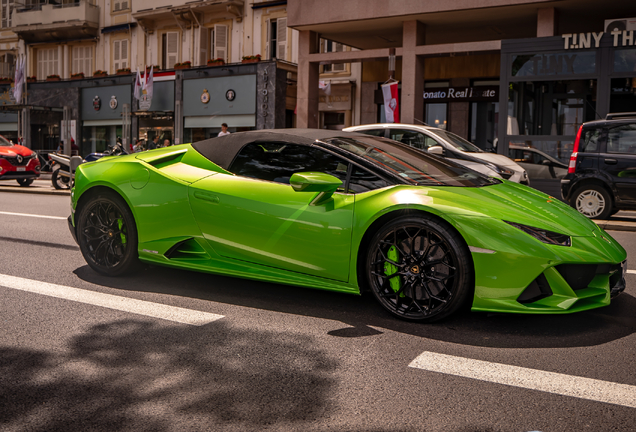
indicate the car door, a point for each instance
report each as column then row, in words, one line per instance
column 619, row 160
column 256, row 216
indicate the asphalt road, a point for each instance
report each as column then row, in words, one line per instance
column 272, row 357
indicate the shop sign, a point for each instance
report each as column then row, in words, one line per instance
column 462, row 94
column 113, row 102
column 593, row 39
column 205, row 96
column 97, row 103
column 230, row 95
column 339, row 98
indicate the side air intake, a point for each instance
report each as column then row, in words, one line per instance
column 537, row 290
column 187, row 249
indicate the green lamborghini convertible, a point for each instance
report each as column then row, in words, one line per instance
column 345, row 212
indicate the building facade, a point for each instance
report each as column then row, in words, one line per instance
column 494, row 72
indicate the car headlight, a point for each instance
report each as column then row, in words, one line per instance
column 503, row 172
column 545, row 236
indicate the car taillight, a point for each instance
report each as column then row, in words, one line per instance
column 575, row 152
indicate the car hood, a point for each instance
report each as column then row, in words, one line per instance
column 15, row 150
column 506, row 201
column 497, row 159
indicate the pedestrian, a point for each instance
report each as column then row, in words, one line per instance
column 154, row 143
column 224, row 130
column 139, row 146
column 166, row 143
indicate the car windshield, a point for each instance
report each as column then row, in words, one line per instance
column 5, row 142
column 411, row 164
column 456, row 141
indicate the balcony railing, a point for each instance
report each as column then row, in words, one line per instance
column 58, row 14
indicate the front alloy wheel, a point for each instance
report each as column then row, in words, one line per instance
column 419, row 269
column 107, row 235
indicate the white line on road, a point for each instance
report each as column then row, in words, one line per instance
column 631, row 271
column 34, row 215
column 125, row 304
column 533, row 379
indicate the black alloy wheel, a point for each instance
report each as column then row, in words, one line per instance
column 107, row 234
column 419, row 269
column 25, row 181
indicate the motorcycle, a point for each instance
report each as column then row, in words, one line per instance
column 64, row 166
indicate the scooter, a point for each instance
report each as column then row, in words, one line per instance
column 63, row 172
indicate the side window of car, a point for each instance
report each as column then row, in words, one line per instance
column 364, row 181
column 589, row 141
column 277, row 162
column 622, row 139
column 373, row 132
column 412, row 138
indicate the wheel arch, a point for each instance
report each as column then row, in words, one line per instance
column 590, row 181
column 96, row 189
column 387, row 217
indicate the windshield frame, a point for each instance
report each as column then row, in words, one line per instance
column 453, row 140
column 408, row 164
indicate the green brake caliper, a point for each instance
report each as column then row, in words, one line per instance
column 120, row 224
column 390, row 269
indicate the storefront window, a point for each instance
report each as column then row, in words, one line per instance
column 580, row 62
column 98, row 138
column 436, row 115
column 623, row 95
column 550, row 107
column 625, row 60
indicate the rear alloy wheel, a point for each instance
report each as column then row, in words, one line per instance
column 593, row 202
column 107, row 235
column 58, row 181
column 25, row 182
column 419, row 269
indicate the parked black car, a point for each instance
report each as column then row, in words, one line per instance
column 601, row 177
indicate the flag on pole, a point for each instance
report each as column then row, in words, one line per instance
column 138, row 85
column 19, row 80
column 391, row 105
column 148, row 86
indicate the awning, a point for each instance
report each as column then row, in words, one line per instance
column 239, row 120
column 265, row 4
column 119, row 27
column 8, row 127
column 108, row 122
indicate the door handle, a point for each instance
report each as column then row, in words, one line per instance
column 207, row 197
column 611, row 161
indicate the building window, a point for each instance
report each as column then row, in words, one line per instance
column 121, row 5
column 327, row 46
column 7, row 65
column 120, row 54
column 276, row 38
column 219, row 43
column 169, row 50
column 83, row 60
column 7, row 10
column 47, row 62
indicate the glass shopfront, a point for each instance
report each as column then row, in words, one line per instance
column 551, row 87
column 102, row 120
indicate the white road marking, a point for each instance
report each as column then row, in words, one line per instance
column 631, row 271
column 533, row 379
column 125, row 304
column 34, row 215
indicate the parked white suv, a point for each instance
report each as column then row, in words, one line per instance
column 447, row 144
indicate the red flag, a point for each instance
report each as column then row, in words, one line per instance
column 391, row 103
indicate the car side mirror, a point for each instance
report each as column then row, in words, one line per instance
column 324, row 184
column 546, row 162
column 436, row 150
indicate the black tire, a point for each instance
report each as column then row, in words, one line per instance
column 25, row 182
column 419, row 269
column 107, row 234
column 58, row 181
column 593, row 201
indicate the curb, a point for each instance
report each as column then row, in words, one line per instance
column 34, row 190
column 610, row 225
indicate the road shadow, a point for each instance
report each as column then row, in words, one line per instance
column 144, row 376
column 362, row 316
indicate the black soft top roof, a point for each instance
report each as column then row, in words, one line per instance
column 221, row 150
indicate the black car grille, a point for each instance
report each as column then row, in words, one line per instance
column 14, row 161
